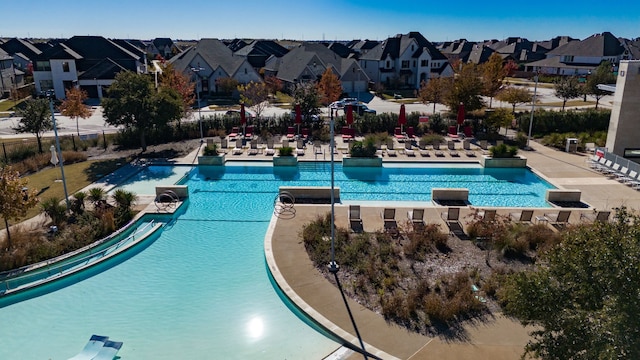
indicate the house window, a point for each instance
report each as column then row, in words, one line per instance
column 43, row 66
column 245, row 70
column 405, row 64
column 204, row 83
column 424, row 63
column 388, row 64
column 411, row 47
column 65, row 66
column 567, row 58
column 46, row 85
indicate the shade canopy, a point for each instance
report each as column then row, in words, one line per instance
column 402, row 118
column 349, row 114
column 243, row 116
column 298, row 114
column 461, row 114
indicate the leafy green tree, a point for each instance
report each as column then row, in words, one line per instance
column 493, row 73
column 583, row 299
column 329, row 87
column 466, row 88
column 255, row 96
column 36, row 119
column 603, row 74
column 434, row 91
column 514, row 96
column 500, row 117
column 182, row 84
column 306, row 95
column 567, row 88
column 15, row 199
column 73, row 106
column 134, row 103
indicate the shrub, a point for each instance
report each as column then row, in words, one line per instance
column 365, row 148
column 425, row 240
column 503, row 151
column 285, row 151
column 431, row 139
column 54, row 210
column 210, row 150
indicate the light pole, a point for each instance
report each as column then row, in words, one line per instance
column 196, row 71
column 50, row 95
column 333, row 266
column 533, row 108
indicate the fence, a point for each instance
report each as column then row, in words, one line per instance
column 16, row 151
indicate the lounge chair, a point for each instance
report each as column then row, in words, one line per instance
column 390, row 150
column 237, row 150
column 600, row 216
column 559, row 219
column 291, row 132
column 109, row 350
column 408, row 149
column 436, row 147
column 452, row 132
column 466, row 145
column 523, row 216
column 248, row 133
column 317, row 149
column 355, row 221
column 487, row 215
column 305, row 133
column 422, row 144
column 300, row 147
column 224, row 146
column 416, row 216
column 253, row 149
column 623, row 174
column 92, row 348
column 399, row 135
column 270, row 150
column 389, row 217
column 452, row 218
column 234, row 133
column 410, row 133
column 634, row 179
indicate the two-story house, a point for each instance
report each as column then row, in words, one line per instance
column 88, row 62
column 10, row 77
column 210, row 60
column 581, row 57
column 22, row 51
column 405, row 60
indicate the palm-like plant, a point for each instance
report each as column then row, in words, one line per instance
column 124, row 199
column 77, row 204
column 54, row 210
column 96, row 194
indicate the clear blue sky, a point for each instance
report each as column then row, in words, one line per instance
column 317, row 20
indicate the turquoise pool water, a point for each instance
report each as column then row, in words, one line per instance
column 144, row 181
column 201, row 290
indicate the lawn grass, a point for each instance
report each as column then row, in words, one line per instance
column 77, row 177
column 283, row 98
column 8, row 105
column 569, row 103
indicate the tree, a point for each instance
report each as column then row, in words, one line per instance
column 226, row 84
column 36, row 119
column 583, row 297
column 73, row 106
column 329, row 87
column 493, row 73
column 567, row 88
column 466, row 89
column 182, row 84
column 603, row 74
column 306, row 95
column 514, row 96
column 15, row 198
column 273, row 84
column 434, row 91
column 255, row 96
column 498, row 118
column 134, row 103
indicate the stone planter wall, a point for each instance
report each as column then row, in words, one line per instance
column 211, row 160
column 285, row 161
column 361, row 162
column 490, row 162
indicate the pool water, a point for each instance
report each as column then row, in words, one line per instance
column 201, row 290
column 144, row 181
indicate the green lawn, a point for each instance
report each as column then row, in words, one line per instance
column 569, row 103
column 77, row 177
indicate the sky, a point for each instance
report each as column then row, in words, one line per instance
column 320, row 20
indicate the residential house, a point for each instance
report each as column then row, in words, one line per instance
column 257, row 51
column 22, row 51
column 457, row 50
column 164, row 47
column 10, row 77
column 405, row 60
column 309, row 61
column 210, row 60
column 519, row 49
column 480, row 54
column 581, row 57
column 361, row 47
column 89, row 62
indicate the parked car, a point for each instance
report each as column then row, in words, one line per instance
column 344, row 102
column 362, row 109
column 248, row 114
column 313, row 118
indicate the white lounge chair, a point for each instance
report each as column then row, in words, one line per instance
column 408, row 149
column 300, row 147
column 390, row 150
column 253, row 149
column 270, row 150
column 92, row 348
column 237, row 150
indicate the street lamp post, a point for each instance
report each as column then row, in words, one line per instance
column 50, row 95
column 533, row 108
column 196, row 71
column 333, row 266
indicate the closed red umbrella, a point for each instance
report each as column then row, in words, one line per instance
column 460, row 115
column 349, row 115
column 402, row 118
column 243, row 116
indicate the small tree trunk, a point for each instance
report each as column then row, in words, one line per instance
column 143, row 141
column 434, row 107
column 39, row 143
column 564, row 103
column 77, row 127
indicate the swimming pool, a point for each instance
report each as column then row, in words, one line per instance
column 202, row 290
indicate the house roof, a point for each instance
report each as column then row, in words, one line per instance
column 555, row 62
column 214, row 52
column 5, row 55
column 480, row 54
column 363, row 46
column 597, row 45
column 15, row 45
column 104, row 70
column 258, row 51
column 59, row 51
column 133, row 46
column 342, row 50
column 394, row 46
column 294, row 63
column 161, row 43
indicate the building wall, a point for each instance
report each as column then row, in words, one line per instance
column 60, row 75
column 624, row 125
